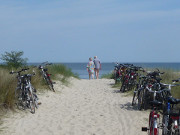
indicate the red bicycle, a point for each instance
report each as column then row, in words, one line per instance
column 154, row 119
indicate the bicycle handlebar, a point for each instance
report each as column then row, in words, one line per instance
column 24, row 69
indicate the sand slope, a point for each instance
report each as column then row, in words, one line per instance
column 88, row 107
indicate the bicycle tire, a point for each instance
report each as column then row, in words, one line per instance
column 36, row 100
column 140, row 99
column 31, row 102
column 165, row 121
column 49, row 82
column 134, row 98
column 152, row 129
column 122, row 89
column 19, row 99
column 144, row 105
column 172, row 131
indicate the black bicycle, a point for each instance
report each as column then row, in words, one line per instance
column 46, row 75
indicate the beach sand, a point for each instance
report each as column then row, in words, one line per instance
column 87, row 107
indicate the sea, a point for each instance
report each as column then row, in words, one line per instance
column 80, row 68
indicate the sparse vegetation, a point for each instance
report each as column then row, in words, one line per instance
column 108, row 76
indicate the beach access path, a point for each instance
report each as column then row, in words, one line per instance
column 86, row 107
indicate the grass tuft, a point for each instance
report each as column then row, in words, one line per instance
column 108, row 76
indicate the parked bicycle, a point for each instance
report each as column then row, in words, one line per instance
column 154, row 119
column 171, row 116
column 46, row 75
column 25, row 93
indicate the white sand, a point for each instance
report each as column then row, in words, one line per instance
column 88, row 107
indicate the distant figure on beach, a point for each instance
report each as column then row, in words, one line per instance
column 90, row 68
column 97, row 64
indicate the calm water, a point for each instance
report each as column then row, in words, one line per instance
column 80, row 68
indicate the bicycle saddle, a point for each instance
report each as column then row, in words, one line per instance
column 175, row 114
column 172, row 100
column 45, row 69
column 155, row 103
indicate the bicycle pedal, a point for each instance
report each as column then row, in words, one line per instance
column 144, row 129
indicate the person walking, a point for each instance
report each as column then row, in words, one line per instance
column 90, row 68
column 97, row 64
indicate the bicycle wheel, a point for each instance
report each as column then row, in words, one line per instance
column 19, row 97
column 144, row 105
column 134, row 100
column 31, row 101
column 50, row 84
column 122, row 89
column 140, row 99
column 173, row 131
column 165, row 121
column 153, row 128
column 36, row 100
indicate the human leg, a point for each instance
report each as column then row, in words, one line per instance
column 92, row 75
column 97, row 72
column 89, row 75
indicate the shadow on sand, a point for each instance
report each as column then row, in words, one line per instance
column 128, row 106
column 117, row 91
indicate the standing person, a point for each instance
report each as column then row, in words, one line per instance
column 97, row 64
column 90, row 68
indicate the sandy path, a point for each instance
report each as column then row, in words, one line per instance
column 86, row 108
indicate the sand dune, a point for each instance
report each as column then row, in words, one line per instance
column 87, row 107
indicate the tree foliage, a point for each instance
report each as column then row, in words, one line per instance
column 14, row 59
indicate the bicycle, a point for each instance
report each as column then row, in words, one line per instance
column 149, row 84
column 117, row 73
column 154, row 119
column 25, row 92
column 171, row 118
column 46, row 75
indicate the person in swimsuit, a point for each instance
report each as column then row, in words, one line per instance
column 97, row 64
column 90, row 68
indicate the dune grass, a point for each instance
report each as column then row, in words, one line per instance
column 62, row 70
column 108, row 76
column 7, row 87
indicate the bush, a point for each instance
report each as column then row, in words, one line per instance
column 14, row 59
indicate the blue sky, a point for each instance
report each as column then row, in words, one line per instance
column 74, row 30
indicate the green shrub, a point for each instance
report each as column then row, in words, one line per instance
column 14, row 59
